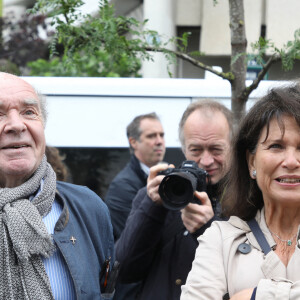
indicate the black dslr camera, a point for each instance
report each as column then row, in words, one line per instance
column 178, row 186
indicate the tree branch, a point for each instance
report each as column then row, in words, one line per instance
column 274, row 58
column 228, row 76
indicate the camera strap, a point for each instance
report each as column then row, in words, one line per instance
column 262, row 241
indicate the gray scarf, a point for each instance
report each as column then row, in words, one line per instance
column 24, row 237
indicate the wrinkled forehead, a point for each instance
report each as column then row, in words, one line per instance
column 15, row 88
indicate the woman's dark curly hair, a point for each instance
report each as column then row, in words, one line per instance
column 242, row 196
column 56, row 161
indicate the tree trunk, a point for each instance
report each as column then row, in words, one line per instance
column 238, row 58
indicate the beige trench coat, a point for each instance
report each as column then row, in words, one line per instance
column 219, row 268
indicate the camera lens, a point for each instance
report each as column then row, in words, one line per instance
column 177, row 190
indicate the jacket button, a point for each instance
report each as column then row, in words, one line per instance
column 178, row 282
column 244, row 248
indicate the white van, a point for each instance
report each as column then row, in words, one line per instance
column 94, row 112
column 88, row 118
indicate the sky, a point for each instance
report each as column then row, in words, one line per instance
column 89, row 6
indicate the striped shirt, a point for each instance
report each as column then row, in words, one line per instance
column 61, row 282
column 60, row 278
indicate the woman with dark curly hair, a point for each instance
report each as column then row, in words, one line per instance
column 255, row 254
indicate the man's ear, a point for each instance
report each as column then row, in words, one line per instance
column 251, row 163
column 132, row 142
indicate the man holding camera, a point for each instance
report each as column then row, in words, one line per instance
column 158, row 244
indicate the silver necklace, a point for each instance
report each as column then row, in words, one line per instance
column 289, row 242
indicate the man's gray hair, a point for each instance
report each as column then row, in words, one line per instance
column 204, row 104
column 43, row 106
column 133, row 129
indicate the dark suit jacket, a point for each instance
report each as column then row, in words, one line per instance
column 120, row 194
column 122, row 191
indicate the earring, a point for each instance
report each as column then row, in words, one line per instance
column 254, row 173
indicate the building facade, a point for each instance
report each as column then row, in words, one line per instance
column 276, row 20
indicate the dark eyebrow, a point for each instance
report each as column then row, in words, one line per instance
column 272, row 141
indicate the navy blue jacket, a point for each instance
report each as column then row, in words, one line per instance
column 122, row 191
column 156, row 248
column 120, row 194
column 86, row 218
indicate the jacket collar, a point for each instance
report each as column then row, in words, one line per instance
column 135, row 163
column 260, row 218
column 64, row 217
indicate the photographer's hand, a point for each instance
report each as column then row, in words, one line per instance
column 154, row 182
column 194, row 216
